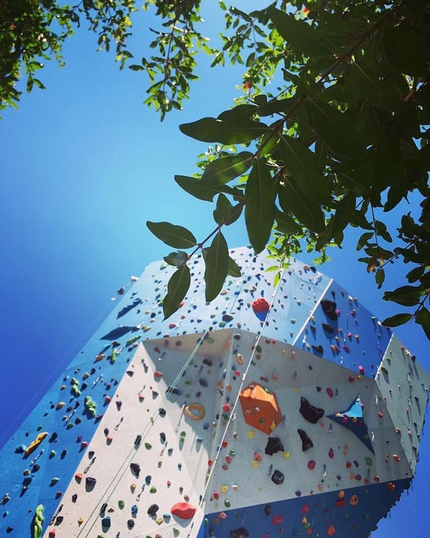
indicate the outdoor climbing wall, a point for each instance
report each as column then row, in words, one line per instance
column 274, row 410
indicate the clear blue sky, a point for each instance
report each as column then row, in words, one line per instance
column 84, row 164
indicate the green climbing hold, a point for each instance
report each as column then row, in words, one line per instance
column 90, row 406
column 227, row 503
column 176, row 532
column 37, row 522
column 114, row 355
column 148, row 446
column 153, row 490
column 121, row 504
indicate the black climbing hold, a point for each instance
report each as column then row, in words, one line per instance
column 207, row 361
column 106, row 523
column 227, row 318
column 306, row 442
column 74, row 497
column 274, row 444
column 153, row 509
column 58, row 520
column 130, row 524
column 318, row 349
column 53, row 437
column 329, row 308
column 241, row 532
column 309, row 412
column 328, row 328
column 103, row 509
column 268, row 509
column 135, row 469
column 138, row 440
column 162, row 437
column 162, row 412
column 90, row 482
column 277, row 477
column 203, row 382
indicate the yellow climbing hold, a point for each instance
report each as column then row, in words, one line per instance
column 224, row 488
column 251, row 434
column 287, row 455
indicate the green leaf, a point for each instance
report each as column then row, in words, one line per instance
column 217, row 263
column 305, row 169
column 299, row 34
column 398, row 319
column 336, row 129
column 307, row 209
column 379, row 277
column 364, row 239
column 238, row 131
column 356, row 181
column 224, row 169
column 423, row 318
column 172, row 235
column 405, row 295
column 344, row 210
column 176, row 258
column 285, row 224
column 405, row 49
column 415, row 274
column 177, row 288
column 260, row 205
column 200, row 190
column 233, row 269
column 225, row 212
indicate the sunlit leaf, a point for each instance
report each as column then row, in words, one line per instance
column 299, row 34
column 217, row 263
column 202, row 191
column 177, row 288
column 173, row 235
column 260, row 205
column 224, row 169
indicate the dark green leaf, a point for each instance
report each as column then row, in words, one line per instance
column 307, row 209
column 177, row 288
column 217, row 262
column 405, row 49
column 176, row 258
column 344, row 210
column 260, row 205
column 286, row 224
column 356, row 181
column 398, row 319
column 238, row 131
column 233, row 269
column 225, row 212
column 202, row 191
column 300, row 35
column 423, row 318
column 336, row 129
column 415, row 274
column 172, row 235
column 405, row 295
column 224, row 169
column 364, row 240
column 380, row 277
column 305, row 169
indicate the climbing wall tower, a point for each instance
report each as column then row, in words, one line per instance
column 278, row 409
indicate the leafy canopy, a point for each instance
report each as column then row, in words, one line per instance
column 342, row 142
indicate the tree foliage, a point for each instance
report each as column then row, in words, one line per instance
column 341, row 142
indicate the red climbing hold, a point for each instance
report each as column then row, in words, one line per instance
column 183, row 510
column 277, row 519
column 260, row 305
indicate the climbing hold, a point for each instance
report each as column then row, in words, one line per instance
column 90, row 482
column 277, row 477
column 34, row 444
column 309, row 412
column 135, row 469
column 268, row 509
column 260, row 306
column 195, row 411
column 277, row 519
column 329, row 309
column 311, row 465
column 274, row 444
column 331, row 530
column 241, row 532
column 134, row 510
column 183, row 510
column 153, row 509
column 130, row 524
column 106, row 523
column 306, row 442
column 37, row 522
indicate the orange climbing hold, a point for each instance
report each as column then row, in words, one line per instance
column 32, row 446
column 183, row 510
column 331, row 530
column 260, row 408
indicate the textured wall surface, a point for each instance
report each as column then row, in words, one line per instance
column 275, row 410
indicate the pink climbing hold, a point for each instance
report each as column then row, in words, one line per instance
column 329, row 392
column 311, row 465
column 183, row 510
column 361, row 369
column 331, row 453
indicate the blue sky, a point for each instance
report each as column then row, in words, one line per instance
column 84, row 165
